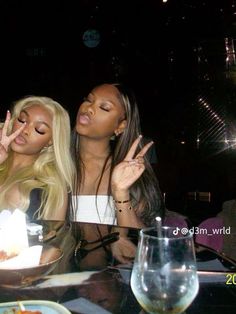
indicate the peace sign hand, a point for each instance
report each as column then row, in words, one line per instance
column 130, row 169
column 6, row 140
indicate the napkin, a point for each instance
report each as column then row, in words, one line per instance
column 13, row 232
column 60, row 280
column 84, row 306
column 4, row 216
column 14, row 241
column 28, row 257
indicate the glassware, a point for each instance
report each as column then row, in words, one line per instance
column 164, row 275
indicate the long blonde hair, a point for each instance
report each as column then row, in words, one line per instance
column 53, row 170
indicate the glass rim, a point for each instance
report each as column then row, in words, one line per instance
column 189, row 234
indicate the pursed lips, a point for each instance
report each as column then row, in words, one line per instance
column 84, row 118
column 20, row 140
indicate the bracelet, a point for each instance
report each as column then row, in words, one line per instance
column 120, row 210
column 121, row 202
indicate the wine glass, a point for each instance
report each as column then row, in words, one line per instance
column 164, row 275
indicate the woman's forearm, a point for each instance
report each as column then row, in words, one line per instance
column 125, row 213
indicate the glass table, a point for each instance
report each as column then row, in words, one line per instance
column 108, row 290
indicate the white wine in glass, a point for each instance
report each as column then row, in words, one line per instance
column 164, row 275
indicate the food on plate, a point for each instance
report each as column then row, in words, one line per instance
column 4, row 256
column 21, row 310
column 17, row 311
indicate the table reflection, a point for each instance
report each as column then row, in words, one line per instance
column 81, row 254
column 70, row 238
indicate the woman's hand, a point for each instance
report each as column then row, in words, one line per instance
column 6, row 140
column 130, row 169
column 123, row 250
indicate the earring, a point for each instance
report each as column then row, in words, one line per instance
column 113, row 137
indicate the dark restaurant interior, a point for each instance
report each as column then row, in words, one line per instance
column 179, row 58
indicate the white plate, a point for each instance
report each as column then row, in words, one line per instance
column 47, row 307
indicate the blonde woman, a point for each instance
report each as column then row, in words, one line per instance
column 36, row 169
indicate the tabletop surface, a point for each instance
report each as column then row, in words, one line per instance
column 108, row 290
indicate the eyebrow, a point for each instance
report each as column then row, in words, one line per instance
column 42, row 122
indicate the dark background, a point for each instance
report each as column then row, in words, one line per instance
column 178, row 57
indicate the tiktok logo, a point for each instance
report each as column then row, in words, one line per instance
column 176, row 231
column 183, row 231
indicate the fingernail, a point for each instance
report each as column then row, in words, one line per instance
column 140, row 135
